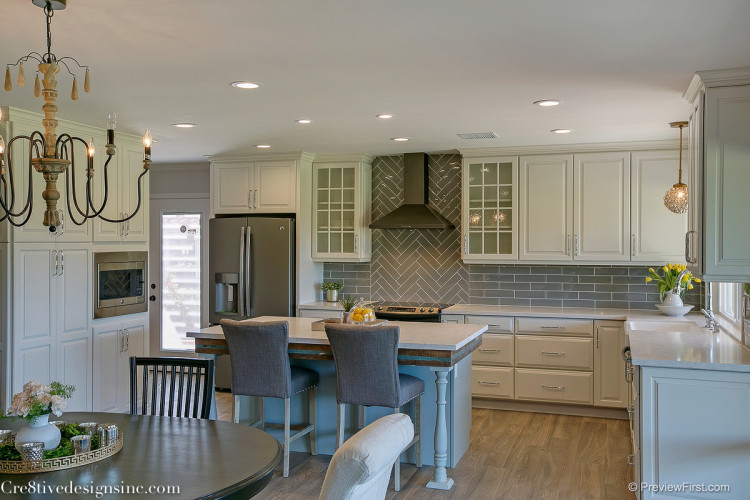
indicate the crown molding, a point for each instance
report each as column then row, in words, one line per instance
column 716, row 78
column 237, row 158
column 12, row 114
column 344, row 158
column 597, row 147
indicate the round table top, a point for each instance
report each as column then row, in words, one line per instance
column 204, row 458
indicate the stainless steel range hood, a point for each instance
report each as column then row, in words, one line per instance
column 416, row 212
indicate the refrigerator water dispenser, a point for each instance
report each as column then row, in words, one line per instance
column 226, row 292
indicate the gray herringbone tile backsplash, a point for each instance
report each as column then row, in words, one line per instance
column 425, row 265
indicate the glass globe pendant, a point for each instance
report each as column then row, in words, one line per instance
column 676, row 199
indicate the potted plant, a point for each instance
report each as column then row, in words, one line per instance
column 673, row 284
column 332, row 290
column 35, row 403
column 347, row 302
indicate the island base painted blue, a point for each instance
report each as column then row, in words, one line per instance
column 458, row 411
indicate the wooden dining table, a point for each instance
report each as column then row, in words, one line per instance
column 201, row 458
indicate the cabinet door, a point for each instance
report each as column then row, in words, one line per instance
column 602, row 207
column 232, row 188
column 134, row 332
column 658, row 235
column 610, row 387
column 490, row 209
column 74, row 367
column 337, row 216
column 546, row 208
column 131, row 167
column 108, row 345
column 275, row 186
column 35, row 279
column 727, row 177
column 694, row 235
column 452, row 318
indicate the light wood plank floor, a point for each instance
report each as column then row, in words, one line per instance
column 513, row 455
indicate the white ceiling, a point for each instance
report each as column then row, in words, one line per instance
column 441, row 67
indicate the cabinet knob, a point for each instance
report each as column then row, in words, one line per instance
column 152, row 298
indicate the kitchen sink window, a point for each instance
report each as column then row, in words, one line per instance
column 727, row 304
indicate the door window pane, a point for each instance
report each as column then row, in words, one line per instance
column 181, row 280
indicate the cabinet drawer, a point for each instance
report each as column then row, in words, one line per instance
column 496, row 324
column 494, row 382
column 495, row 350
column 554, row 385
column 554, row 352
column 553, row 326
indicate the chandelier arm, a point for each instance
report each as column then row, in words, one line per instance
column 35, row 142
column 70, row 179
column 28, row 207
column 74, row 60
column 29, row 203
column 138, row 206
column 33, row 55
column 67, row 200
column 60, row 61
column 97, row 212
column 5, row 195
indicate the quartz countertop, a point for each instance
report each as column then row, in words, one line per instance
column 414, row 335
column 554, row 312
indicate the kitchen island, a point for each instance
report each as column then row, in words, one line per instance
column 430, row 351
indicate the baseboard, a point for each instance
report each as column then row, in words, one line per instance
column 560, row 409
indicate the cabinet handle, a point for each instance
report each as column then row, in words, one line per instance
column 630, row 409
column 554, row 387
column 62, row 262
column 490, row 350
column 250, row 199
column 597, row 337
column 689, row 248
column 466, row 244
column 355, row 242
column 54, row 252
column 568, row 250
column 634, row 246
column 127, row 225
column 62, row 224
column 553, row 328
column 127, row 340
column 255, row 200
column 487, row 382
column 122, row 340
column 631, row 459
column 577, row 252
column 553, row 353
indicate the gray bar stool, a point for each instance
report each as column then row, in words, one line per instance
column 366, row 360
column 261, row 368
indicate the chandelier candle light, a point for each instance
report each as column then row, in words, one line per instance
column 52, row 155
column 676, row 199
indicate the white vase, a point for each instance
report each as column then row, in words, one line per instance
column 39, row 429
column 671, row 299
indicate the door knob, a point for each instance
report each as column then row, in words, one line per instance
column 152, row 298
column 153, row 286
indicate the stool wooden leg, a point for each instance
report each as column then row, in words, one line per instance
column 418, row 430
column 236, row 409
column 340, row 416
column 313, row 403
column 397, row 466
column 287, row 423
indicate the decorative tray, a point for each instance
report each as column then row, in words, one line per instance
column 60, row 463
column 319, row 326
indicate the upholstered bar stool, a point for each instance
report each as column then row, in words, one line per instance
column 366, row 360
column 261, row 368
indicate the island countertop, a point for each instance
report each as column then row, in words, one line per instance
column 414, row 335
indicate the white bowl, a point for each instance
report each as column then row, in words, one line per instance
column 674, row 310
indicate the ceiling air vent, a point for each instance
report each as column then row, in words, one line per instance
column 478, row 135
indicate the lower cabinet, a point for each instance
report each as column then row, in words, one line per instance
column 610, row 386
column 496, row 382
column 320, row 313
column 554, row 386
column 114, row 343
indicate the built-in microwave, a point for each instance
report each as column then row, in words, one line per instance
column 119, row 283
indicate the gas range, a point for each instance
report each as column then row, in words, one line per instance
column 409, row 311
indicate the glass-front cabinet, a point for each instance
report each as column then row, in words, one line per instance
column 341, row 209
column 490, row 209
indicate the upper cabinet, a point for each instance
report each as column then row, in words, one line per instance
column 601, row 220
column 249, row 185
column 546, row 208
column 719, row 247
column 657, row 233
column 341, row 209
column 490, row 209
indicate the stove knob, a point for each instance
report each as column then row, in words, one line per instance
column 432, row 309
column 421, row 310
column 380, row 308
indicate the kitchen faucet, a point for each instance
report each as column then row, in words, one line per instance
column 711, row 321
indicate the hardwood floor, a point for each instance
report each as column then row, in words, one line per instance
column 513, row 455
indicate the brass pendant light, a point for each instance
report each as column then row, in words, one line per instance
column 676, row 199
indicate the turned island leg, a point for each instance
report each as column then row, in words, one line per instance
column 440, row 479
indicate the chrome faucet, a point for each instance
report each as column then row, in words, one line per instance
column 678, row 284
column 711, row 321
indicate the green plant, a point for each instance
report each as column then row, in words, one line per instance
column 669, row 280
column 348, row 302
column 64, row 449
column 331, row 285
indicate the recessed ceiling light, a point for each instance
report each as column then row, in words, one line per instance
column 304, row 121
column 245, row 85
column 545, row 103
column 384, row 117
column 400, row 139
column 561, row 130
column 184, row 125
column 263, row 146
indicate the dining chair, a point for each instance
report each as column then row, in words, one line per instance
column 361, row 467
column 171, row 387
column 261, row 368
column 366, row 360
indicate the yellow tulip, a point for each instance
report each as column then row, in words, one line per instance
column 669, row 265
column 666, row 269
column 690, row 287
column 652, row 270
column 648, row 280
column 697, row 280
column 685, row 278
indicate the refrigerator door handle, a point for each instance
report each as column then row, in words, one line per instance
column 248, row 272
column 241, row 284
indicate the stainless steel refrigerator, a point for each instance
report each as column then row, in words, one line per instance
column 251, row 268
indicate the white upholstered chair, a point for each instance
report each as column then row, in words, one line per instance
column 360, row 469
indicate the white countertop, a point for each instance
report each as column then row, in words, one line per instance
column 703, row 351
column 553, row 312
column 414, row 335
